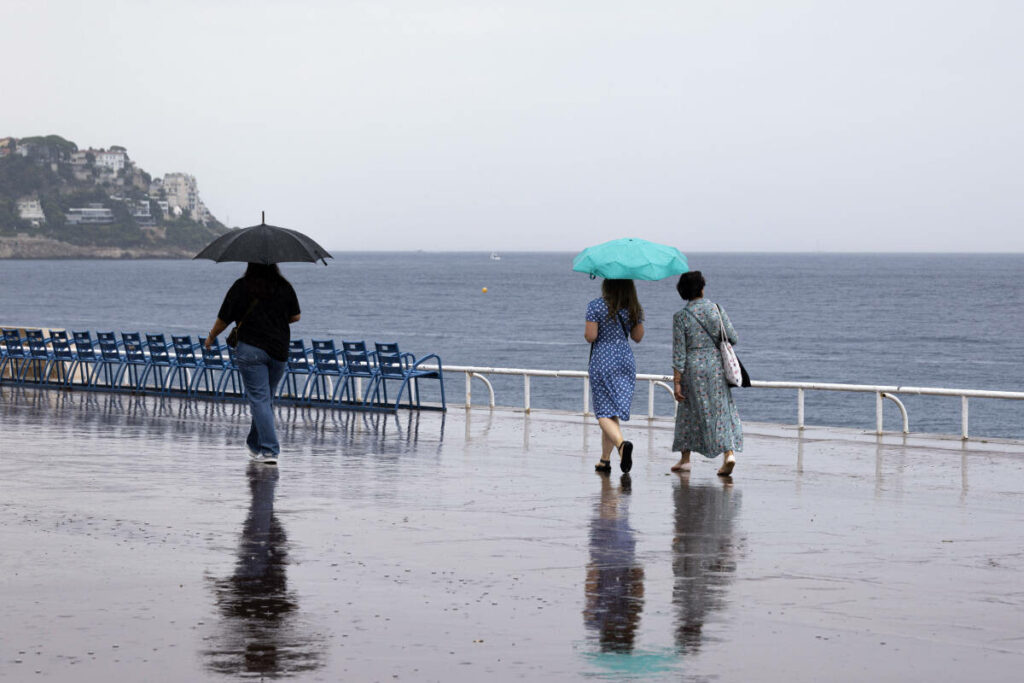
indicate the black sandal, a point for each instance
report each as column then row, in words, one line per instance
column 603, row 466
column 626, row 450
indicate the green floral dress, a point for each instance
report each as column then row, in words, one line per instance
column 707, row 421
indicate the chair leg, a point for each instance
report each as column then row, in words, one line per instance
column 398, row 398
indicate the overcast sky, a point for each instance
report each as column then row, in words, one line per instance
column 518, row 125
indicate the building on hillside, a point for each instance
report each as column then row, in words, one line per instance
column 91, row 214
column 115, row 161
column 183, row 193
column 141, row 213
column 7, row 146
column 30, row 209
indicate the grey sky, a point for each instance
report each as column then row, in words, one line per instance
column 552, row 125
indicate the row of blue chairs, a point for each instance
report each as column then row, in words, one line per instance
column 149, row 365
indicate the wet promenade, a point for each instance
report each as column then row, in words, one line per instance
column 138, row 544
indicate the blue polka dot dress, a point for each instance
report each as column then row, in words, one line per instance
column 612, row 366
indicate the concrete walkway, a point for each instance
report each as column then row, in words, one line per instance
column 139, row 544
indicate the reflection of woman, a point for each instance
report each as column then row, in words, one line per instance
column 263, row 304
column 615, row 580
column 258, row 636
column 706, row 416
column 703, row 555
column 612, row 321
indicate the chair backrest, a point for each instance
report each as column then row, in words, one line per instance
column 325, row 356
column 357, row 359
column 212, row 357
column 36, row 344
column 83, row 346
column 108, row 346
column 133, row 351
column 12, row 342
column 157, row 345
column 61, row 346
column 297, row 358
column 184, row 352
column 389, row 360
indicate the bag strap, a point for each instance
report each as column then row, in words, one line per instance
column 716, row 341
column 252, row 305
column 622, row 325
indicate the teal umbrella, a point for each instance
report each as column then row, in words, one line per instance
column 630, row 259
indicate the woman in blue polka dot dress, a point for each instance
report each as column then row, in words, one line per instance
column 612, row 321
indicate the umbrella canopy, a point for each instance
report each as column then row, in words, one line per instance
column 630, row 259
column 264, row 244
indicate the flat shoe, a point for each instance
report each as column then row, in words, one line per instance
column 626, row 449
column 603, row 466
column 727, row 467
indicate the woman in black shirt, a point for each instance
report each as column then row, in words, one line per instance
column 263, row 304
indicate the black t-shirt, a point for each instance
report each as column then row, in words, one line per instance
column 266, row 326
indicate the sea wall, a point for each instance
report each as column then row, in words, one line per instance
column 32, row 247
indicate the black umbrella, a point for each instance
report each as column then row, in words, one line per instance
column 264, row 244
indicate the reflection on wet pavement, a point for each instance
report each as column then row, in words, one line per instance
column 615, row 580
column 140, row 545
column 257, row 634
column 703, row 555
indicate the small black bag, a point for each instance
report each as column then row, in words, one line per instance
column 232, row 340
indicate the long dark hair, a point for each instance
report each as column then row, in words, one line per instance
column 621, row 294
column 262, row 279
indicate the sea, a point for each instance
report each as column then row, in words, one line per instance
column 935, row 320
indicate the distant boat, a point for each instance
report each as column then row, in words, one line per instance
column 494, row 256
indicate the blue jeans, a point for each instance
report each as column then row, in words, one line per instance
column 261, row 375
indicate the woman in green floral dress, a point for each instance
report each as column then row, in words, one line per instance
column 706, row 418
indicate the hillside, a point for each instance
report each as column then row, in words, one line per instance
column 58, row 201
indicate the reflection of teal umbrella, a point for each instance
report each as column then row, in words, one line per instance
column 631, row 259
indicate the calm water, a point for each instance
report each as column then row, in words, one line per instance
column 925, row 320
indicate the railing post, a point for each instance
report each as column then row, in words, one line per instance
column 800, row 409
column 963, row 417
column 878, row 412
column 650, row 399
column 526, row 392
column 586, row 396
column 469, row 389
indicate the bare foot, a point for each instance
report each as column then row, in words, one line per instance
column 683, row 465
column 727, row 465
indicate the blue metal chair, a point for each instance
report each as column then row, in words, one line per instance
column 86, row 361
column 360, row 364
column 298, row 366
column 394, row 365
column 39, row 358
column 215, row 373
column 236, row 374
column 185, row 365
column 136, row 363
column 62, row 359
column 327, row 369
column 112, row 364
column 159, row 366
column 15, row 359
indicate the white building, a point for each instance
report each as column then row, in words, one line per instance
column 93, row 214
column 183, row 193
column 115, row 161
column 31, row 210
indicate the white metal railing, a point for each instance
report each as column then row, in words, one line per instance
column 881, row 392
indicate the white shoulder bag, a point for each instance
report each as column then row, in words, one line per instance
column 730, row 363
